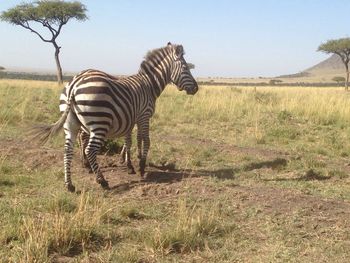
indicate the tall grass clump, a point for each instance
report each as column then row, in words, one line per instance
column 64, row 231
column 188, row 229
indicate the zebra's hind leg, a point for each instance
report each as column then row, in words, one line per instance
column 128, row 143
column 122, row 158
column 71, row 128
column 139, row 142
column 94, row 145
column 83, row 140
column 144, row 128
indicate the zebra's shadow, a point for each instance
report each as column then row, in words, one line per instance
column 152, row 177
column 169, row 174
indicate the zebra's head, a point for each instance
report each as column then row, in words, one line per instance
column 180, row 73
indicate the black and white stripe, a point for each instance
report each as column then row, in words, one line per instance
column 105, row 107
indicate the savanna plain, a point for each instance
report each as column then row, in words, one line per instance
column 236, row 174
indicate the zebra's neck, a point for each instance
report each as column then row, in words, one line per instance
column 155, row 79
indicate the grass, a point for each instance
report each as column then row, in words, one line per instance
column 188, row 230
column 260, row 175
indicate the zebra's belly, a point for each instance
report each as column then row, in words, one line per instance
column 116, row 132
column 105, row 122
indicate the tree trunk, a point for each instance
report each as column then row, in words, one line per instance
column 58, row 64
column 347, row 77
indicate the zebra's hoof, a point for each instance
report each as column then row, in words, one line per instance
column 70, row 188
column 104, row 184
column 131, row 170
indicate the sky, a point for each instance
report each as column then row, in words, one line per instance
column 223, row 38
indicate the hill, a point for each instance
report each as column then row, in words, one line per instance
column 321, row 72
column 331, row 64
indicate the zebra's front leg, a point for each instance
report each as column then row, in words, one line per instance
column 128, row 143
column 93, row 147
column 144, row 127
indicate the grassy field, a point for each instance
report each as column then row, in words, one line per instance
column 236, row 174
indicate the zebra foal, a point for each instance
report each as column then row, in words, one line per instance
column 105, row 107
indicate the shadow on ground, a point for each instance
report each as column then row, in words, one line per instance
column 168, row 173
column 309, row 175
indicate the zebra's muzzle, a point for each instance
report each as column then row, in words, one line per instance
column 192, row 91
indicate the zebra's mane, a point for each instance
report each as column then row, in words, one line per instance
column 154, row 52
column 154, row 55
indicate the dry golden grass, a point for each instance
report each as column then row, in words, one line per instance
column 28, row 83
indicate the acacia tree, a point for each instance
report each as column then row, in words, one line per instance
column 341, row 47
column 51, row 15
column 338, row 79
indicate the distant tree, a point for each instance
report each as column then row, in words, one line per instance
column 51, row 14
column 190, row 65
column 2, row 68
column 275, row 81
column 341, row 47
column 338, row 79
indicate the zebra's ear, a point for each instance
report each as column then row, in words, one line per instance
column 179, row 50
column 169, row 44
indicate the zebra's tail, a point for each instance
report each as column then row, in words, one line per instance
column 44, row 132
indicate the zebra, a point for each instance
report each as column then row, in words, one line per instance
column 107, row 108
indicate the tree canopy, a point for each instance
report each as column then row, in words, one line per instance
column 48, row 13
column 341, row 47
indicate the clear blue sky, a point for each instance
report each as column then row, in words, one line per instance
column 228, row 38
